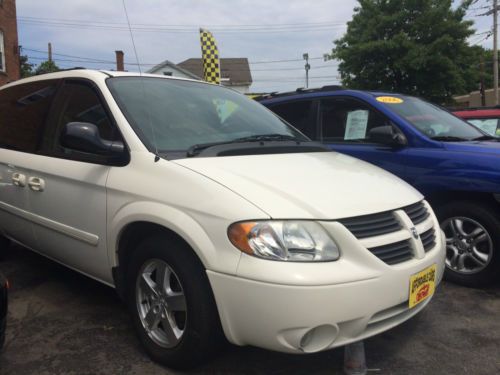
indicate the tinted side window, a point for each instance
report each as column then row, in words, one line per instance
column 299, row 114
column 345, row 119
column 23, row 113
column 78, row 102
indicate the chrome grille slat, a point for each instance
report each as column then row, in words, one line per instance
column 371, row 225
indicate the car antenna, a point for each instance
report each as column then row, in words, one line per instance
column 157, row 157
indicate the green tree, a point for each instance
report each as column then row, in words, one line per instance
column 47, row 67
column 26, row 67
column 416, row 47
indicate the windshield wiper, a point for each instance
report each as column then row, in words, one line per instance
column 486, row 138
column 448, row 138
column 269, row 137
column 196, row 149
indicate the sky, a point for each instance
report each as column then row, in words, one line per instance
column 87, row 32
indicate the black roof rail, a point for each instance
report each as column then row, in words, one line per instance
column 74, row 68
column 299, row 90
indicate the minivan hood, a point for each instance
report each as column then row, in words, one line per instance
column 484, row 147
column 320, row 185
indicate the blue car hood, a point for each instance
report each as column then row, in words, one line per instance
column 480, row 147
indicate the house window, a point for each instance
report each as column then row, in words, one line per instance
column 164, row 73
column 2, row 52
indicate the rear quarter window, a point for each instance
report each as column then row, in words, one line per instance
column 23, row 112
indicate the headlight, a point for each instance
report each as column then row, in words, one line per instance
column 296, row 241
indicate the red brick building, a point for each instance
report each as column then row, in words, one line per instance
column 9, row 47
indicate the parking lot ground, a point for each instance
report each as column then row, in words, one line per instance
column 61, row 322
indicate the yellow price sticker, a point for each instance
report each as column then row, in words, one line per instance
column 389, row 99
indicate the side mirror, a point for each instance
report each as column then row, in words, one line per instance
column 84, row 137
column 386, row 136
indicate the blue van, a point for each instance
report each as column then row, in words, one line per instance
column 454, row 164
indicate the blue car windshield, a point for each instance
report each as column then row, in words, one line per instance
column 432, row 120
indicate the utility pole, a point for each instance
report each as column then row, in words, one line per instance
column 307, row 66
column 495, row 51
column 50, row 52
column 481, row 87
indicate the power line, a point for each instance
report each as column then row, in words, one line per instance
column 181, row 31
column 237, row 26
column 91, row 60
column 38, row 58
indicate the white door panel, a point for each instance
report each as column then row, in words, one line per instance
column 14, row 215
column 68, row 203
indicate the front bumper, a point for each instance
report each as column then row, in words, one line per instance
column 306, row 313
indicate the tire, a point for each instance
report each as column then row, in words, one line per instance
column 196, row 334
column 3, row 328
column 4, row 246
column 472, row 232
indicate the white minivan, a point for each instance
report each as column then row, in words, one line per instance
column 210, row 215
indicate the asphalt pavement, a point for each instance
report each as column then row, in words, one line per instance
column 61, row 322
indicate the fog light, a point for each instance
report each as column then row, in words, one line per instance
column 318, row 338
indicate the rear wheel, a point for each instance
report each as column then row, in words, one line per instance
column 172, row 303
column 472, row 231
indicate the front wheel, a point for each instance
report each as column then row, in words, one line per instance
column 172, row 304
column 472, row 231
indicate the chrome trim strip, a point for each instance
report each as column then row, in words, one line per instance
column 77, row 234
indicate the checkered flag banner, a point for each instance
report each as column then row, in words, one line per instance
column 210, row 56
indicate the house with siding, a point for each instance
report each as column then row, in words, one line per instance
column 235, row 72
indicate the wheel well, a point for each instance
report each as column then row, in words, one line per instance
column 440, row 199
column 128, row 241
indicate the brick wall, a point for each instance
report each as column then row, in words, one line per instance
column 8, row 25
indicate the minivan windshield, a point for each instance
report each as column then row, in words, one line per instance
column 433, row 121
column 175, row 115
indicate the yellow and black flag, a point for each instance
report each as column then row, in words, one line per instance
column 210, row 56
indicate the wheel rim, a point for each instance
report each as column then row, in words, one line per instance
column 469, row 247
column 161, row 303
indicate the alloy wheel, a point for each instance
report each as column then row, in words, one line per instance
column 469, row 247
column 161, row 303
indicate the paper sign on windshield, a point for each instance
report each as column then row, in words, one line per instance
column 355, row 127
column 389, row 99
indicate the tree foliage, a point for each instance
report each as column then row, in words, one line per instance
column 47, row 67
column 416, row 47
column 26, row 67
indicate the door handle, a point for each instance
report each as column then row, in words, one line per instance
column 36, row 184
column 19, row 179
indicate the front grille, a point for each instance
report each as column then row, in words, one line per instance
column 417, row 212
column 428, row 239
column 393, row 253
column 371, row 225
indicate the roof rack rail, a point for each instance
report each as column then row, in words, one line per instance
column 299, row 90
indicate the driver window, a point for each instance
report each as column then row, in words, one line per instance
column 348, row 120
column 78, row 102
